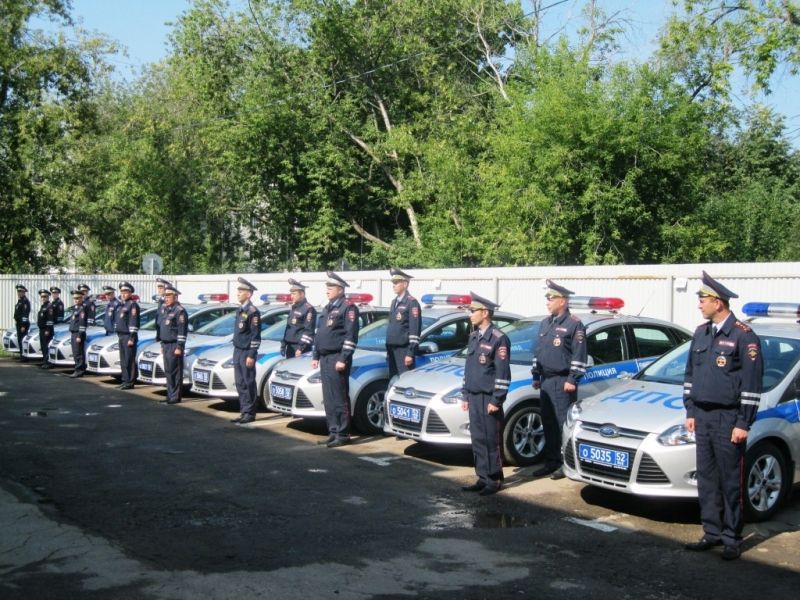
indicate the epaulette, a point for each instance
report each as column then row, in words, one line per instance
column 574, row 317
column 703, row 324
column 496, row 332
column 743, row 326
column 251, row 309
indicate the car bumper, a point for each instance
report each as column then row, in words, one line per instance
column 103, row 363
column 61, row 357
column 441, row 424
column 214, row 381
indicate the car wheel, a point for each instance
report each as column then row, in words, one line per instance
column 523, row 436
column 766, row 481
column 263, row 395
column 368, row 413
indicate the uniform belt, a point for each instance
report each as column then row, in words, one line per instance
column 708, row 406
column 169, row 341
column 328, row 352
column 555, row 374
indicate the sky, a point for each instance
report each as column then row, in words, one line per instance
column 142, row 27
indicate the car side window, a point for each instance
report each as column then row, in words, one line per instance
column 651, row 341
column 451, row 336
column 606, row 345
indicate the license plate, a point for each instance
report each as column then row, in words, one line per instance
column 405, row 413
column 93, row 357
column 201, row 376
column 596, row 455
column 146, row 367
column 281, row 391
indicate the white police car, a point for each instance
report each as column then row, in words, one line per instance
column 212, row 372
column 425, row 404
column 633, row 438
column 30, row 343
column 60, row 348
column 102, row 355
column 296, row 388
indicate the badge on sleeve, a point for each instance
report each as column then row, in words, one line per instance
column 502, row 352
column 415, row 311
column 351, row 314
column 182, row 318
column 752, row 351
column 133, row 311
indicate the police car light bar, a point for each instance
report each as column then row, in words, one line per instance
column 100, row 297
column 359, row 298
column 596, row 303
column 135, row 297
column 213, row 297
column 771, row 309
column 453, row 299
column 267, row 298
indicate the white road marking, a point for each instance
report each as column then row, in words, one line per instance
column 595, row 524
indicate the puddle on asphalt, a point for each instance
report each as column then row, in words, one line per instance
column 449, row 517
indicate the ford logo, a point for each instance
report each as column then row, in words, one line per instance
column 609, row 430
column 410, row 393
column 283, row 374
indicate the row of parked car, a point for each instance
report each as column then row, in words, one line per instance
column 625, row 433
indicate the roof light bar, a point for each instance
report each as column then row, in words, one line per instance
column 135, row 297
column 451, row 299
column 359, row 298
column 267, row 298
column 596, row 302
column 213, row 297
column 772, row 309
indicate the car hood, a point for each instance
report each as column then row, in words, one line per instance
column 435, row 377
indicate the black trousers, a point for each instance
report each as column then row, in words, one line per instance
column 395, row 358
column 336, row 395
column 555, row 403
column 245, row 378
column 127, row 358
column 720, row 475
column 486, row 431
column 45, row 335
column 22, row 331
column 173, row 368
column 78, row 352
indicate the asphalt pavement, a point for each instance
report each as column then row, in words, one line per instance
column 109, row 494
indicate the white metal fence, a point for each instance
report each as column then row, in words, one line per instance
column 662, row 291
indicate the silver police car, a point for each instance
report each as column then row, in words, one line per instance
column 425, row 404
column 102, row 355
column 31, row 347
column 633, row 438
column 60, row 348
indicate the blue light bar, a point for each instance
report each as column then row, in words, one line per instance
column 771, row 309
column 451, row 299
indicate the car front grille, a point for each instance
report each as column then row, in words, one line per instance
column 411, row 392
column 284, row 402
column 569, row 455
column 204, row 362
column 302, row 400
column 216, row 383
column 650, row 472
column 435, row 424
column 201, row 385
column 625, row 433
column 159, row 371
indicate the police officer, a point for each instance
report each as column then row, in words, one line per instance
column 22, row 314
column 721, row 393
column 161, row 286
column 46, row 321
column 298, row 337
column 337, row 336
column 77, row 329
column 111, row 308
column 487, row 374
column 172, row 329
column 88, row 304
column 58, row 304
column 246, row 340
column 559, row 361
column 126, row 324
column 405, row 324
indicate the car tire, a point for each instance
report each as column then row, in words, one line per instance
column 368, row 414
column 523, row 436
column 263, row 393
column 766, row 481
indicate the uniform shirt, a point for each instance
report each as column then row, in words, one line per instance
column 127, row 319
column 488, row 367
column 247, row 331
column 58, row 309
column 46, row 318
column 22, row 310
column 90, row 308
column 111, row 309
column 78, row 321
column 338, row 330
column 300, row 326
column 405, row 323
column 724, row 370
column 560, row 348
column 174, row 325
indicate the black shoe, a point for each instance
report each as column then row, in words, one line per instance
column 731, row 552
column 126, row 386
column 475, row 487
column 245, row 419
column 172, row 401
column 702, row 545
column 557, row 474
column 490, row 489
column 237, row 419
column 47, row 366
column 338, row 442
column 326, row 441
column 76, row 375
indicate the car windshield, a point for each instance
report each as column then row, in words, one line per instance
column 146, row 317
column 274, row 333
column 522, row 334
column 373, row 336
column 780, row 355
column 219, row 327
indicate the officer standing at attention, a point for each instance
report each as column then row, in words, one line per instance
column 559, row 361
column 111, row 308
column 161, row 286
column 721, row 393
column 405, row 324
column 46, row 320
column 487, row 375
column 22, row 314
column 126, row 324
column 172, row 329
column 246, row 340
column 77, row 329
column 88, row 304
column 298, row 337
column 58, row 304
column 334, row 345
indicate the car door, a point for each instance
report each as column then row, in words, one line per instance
column 609, row 360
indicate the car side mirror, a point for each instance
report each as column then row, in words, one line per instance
column 427, row 348
column 190, row 327
column 589, row 361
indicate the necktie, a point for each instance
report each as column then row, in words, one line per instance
column 713, row 331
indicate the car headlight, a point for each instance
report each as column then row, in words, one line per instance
column 114, row 347
column 228, row 364
column 189, row 351
column 453, row 397
column 574, row 414
column 315, row 377
column 677, row 435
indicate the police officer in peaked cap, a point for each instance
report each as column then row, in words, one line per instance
column 111, row 308
column 246, row 341
column 405, row 325
column 172, row 331
column 335, row 342
column 559, row 362
column 46, row 320
column 58, row 303
column 487, row 375
column 127, row 319
column 721, row 393
column 88, row 304
column 77, row 329
column 298, row 337
column 161, row 286
column 22, row 316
